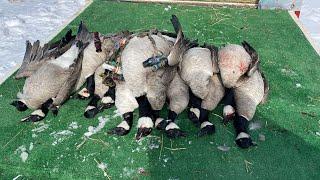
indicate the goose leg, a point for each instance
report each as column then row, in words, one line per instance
column 108, row 100
column 88, row 91
column 145, row 123
column 160, row 123
column 194, row 108
column 20, row 106
column 243, row 138
column 125, row 126
column 92, row 109
column 39, row 114
column 172, row 129
column 206, row 126
column 229, row 104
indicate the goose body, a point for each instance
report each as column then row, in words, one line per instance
column 47, row 81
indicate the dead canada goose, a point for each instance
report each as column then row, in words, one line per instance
column 240, row 72
column 143, row 87
column 51, row 85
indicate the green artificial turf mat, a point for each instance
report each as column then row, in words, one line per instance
column 290, row 119
column 229, row 1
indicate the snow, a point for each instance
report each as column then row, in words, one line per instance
column 255, row 125
column 30, row 20
column 93, row 130
column 127, row 172
column 310, row 18
column 31, row 146
column 153, row 146
column 24, row 153
column 141, row 170
column 167, row 8
column 73, row 125
column 103, row 166
column 60, row 136
column 24, row 156
column 41, row 126
column 224, row 148
column 116, row 114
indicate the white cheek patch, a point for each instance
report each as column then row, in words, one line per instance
column 107, row 100
column 158, row 121
column 206, row 123
column 228, row 110
column 172, row 125
column 244, row 117
column 196, row 111
column 145, row 122
column 84, row 92
column 242, row 135
column 89, row 108
column 23, row 101
column 124, row 125
column 38, row 112
column 86, row 77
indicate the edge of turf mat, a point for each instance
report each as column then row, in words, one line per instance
column 196, row 3
column 305, row 32
column 290, row 151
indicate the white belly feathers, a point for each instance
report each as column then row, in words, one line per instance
column 67, row 58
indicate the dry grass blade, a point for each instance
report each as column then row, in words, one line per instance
column 81, row 144
column 175, row 149
column 218, row 116
column 13, row 138
column 100, row 141
column 312, row 114
column 104, row 171
column 248, row 165
column 161, row 149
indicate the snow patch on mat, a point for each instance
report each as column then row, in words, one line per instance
column 60, row 136
column 93, row 130
column 24, row 152
column 30, row 20
column 40, row 127
column 73, row 125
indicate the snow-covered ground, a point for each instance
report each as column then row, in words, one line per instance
column 310, row 18
column 22, row 20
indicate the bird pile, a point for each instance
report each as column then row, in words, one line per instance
column 144, row 70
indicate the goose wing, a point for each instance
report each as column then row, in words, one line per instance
column 36, row 55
